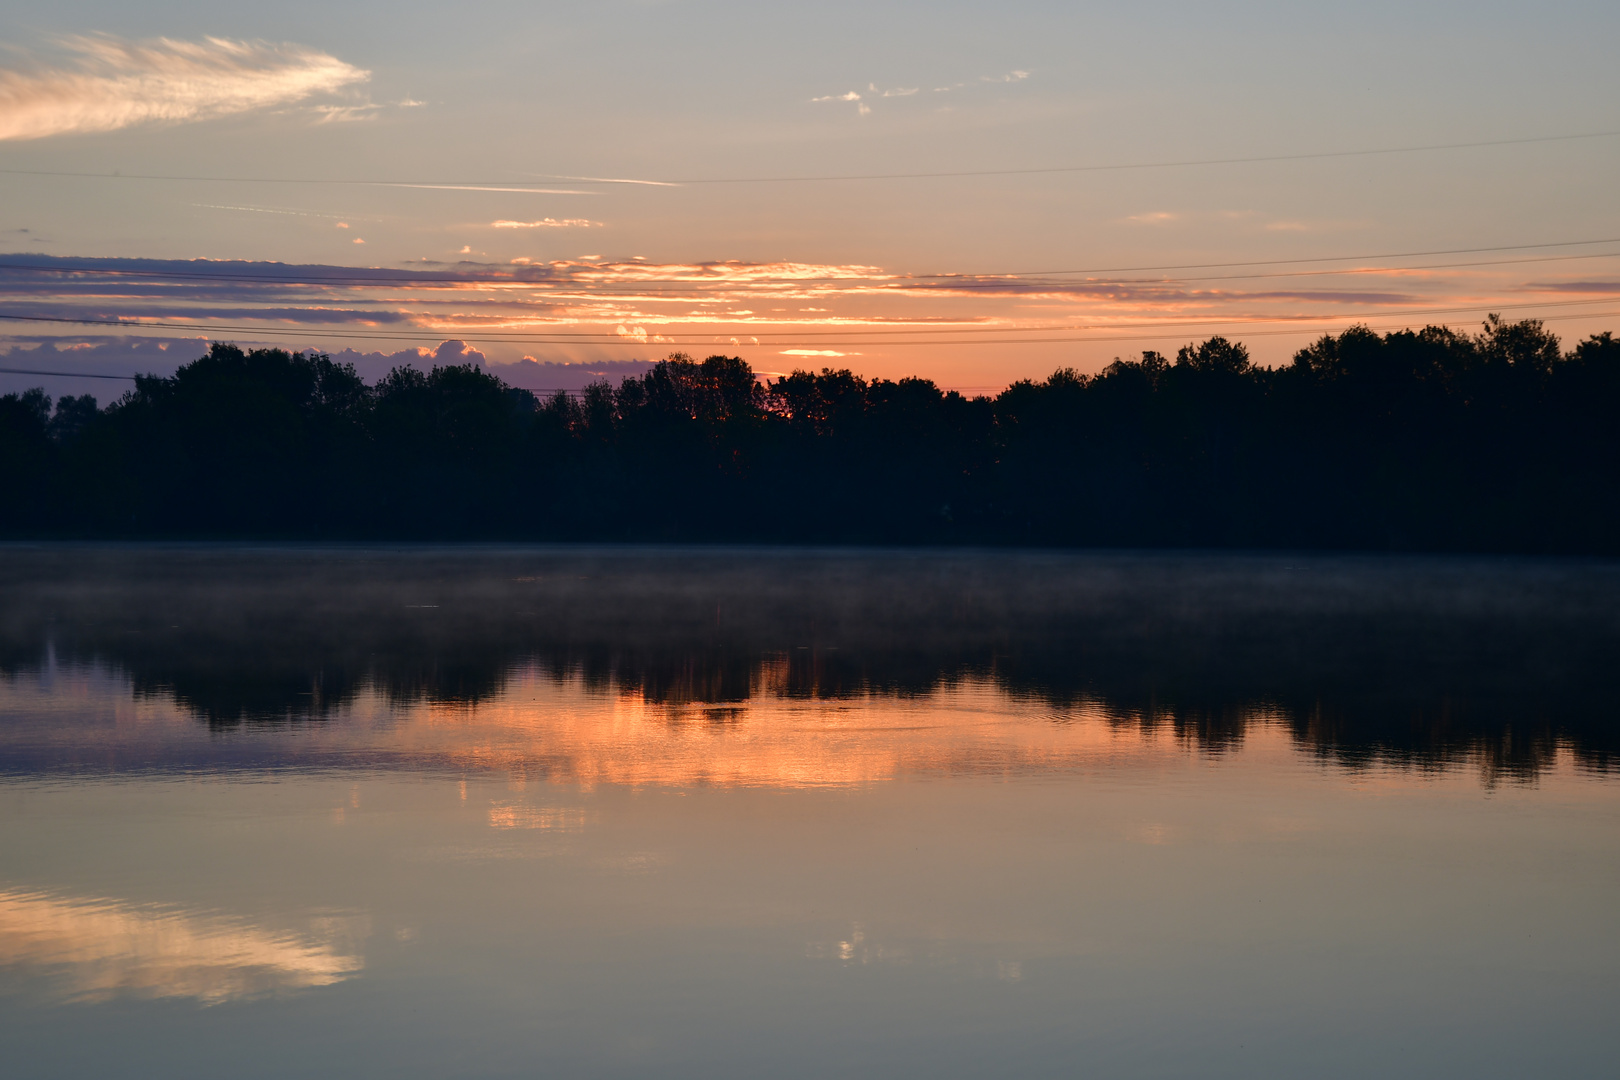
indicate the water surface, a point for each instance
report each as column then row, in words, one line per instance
column 490, row 812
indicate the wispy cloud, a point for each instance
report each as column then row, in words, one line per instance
column 111, row 83
column 547, row 223
column 345, row 114
column 873, row 91
column 608, row 180
column 1008, row 77
column 270, row 210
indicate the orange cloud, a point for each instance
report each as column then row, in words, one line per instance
column 547, row 223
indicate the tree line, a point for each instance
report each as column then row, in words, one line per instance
column 1414, row 440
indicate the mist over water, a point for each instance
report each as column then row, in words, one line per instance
column 611, row 810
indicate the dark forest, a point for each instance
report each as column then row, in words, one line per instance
column 1428, row 440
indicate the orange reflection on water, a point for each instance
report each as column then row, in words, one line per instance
column 538, row 729
column 98, row 948
column 549, row 818
column 542, row 727
column 765, row 732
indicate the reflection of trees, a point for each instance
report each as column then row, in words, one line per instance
column 1429, row 663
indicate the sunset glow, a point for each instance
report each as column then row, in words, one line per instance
column 969, row 214
column 689, row 538
column 577, row 311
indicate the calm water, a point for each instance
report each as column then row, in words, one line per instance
column 492, row 812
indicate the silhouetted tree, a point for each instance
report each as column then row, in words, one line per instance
column 1427, row 440
column 26, row 459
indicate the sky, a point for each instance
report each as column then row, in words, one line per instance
column 970, row 193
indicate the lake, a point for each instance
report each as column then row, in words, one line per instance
column 501, row 811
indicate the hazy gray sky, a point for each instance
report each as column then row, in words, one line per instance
column 497, row 95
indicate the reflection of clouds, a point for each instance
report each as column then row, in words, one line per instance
column 1151, row 832
column 549, row 818
column 858, row 949
column 855, row 949
column 634, row 862
column 97, row 949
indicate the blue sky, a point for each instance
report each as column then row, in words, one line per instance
column 289, row 99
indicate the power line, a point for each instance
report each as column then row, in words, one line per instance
column 1187, row 163
column 63, row 374
column 1017, row 281
column 801, row 337
column 533, row 188
column 132, row 378
column 1385, row 269
column 1296, row 262
column 898, row 281
column 519, row 187
column 1277, row 332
